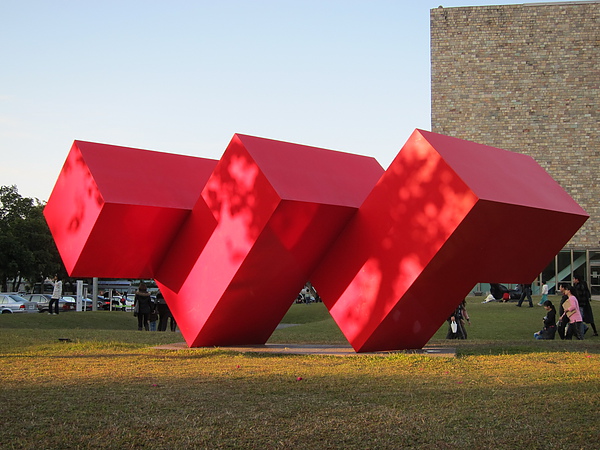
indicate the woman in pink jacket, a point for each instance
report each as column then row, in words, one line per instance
column 574, row 315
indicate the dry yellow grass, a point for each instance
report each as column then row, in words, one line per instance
column 113, row 389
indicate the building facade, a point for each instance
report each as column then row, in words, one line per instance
column 526, row 78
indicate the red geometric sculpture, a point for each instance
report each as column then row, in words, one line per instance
column 114, row 211
column 277, row 206
column 447, row 214
column 231, row 244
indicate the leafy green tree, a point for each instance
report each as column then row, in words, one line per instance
column 27, row 250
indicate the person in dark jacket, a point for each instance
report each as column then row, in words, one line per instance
column 562, row 324
column 142, row 303
column 584, row 296
column 525, row 293
column 163, row 312
column 549, row 319
column 456, row 323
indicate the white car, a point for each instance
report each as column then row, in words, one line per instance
column 13, row 303
column 129, row 300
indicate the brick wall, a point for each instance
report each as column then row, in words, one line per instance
column 525, row 78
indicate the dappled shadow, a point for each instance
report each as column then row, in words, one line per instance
column 77, row 182
column 383, row 255
column 273, row 223
column 72, row 207
column 240, row 199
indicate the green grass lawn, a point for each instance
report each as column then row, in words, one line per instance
column 109, row 387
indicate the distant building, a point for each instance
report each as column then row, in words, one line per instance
column 526, row 78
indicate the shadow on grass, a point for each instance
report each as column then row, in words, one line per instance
column 473, row 348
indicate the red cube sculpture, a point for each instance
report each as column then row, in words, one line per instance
column 232, row 243
column 446, row 215
column 114, row 211
column 277, row 208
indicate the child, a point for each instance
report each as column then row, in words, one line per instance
column 544, row 294
column 153, row 318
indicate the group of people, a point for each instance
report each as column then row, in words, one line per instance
column 149, row 312
column 575, row 311
column 574, row 314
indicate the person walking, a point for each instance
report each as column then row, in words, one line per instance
column 163, row 311
column 465, row 317
column 571, row 307
column 562, row 323
column 56, row 295
column 584, row 296
column 143, row 301
column 544, row 294
column 456, row 324
column 525, row 292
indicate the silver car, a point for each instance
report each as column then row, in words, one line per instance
column 13, row 303
column 43, row 302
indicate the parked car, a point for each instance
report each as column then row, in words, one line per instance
column 130, row 300
column 85, row 302
column 117, row 303
column 101, row 303
column 88, row 303
column 13, row 303
column 43, row 300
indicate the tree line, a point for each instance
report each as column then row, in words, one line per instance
column 27, row 250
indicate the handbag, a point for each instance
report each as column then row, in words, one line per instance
column 454, row 326
column 136, row 309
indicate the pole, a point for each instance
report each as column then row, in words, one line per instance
column 79, row 296
column 95, row 294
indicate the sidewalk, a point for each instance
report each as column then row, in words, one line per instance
column 327, row 350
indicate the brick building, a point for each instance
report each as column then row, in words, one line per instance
column 526, row 78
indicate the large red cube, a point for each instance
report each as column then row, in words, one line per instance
column 277, row 207
column 114, row 211
column 446, row 215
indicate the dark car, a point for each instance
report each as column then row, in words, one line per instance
column 498, row 291
column 118, row 304
column 43, row 300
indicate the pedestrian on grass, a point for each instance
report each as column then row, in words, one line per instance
column 153, row 317
column 56, row 295
column 456, row 323
column 584, row 296
column 173, row 323
column 544, row 294
column 465, row 317
column 525, row 292
column 549, row 329
column 562, row 323
column 163, row 311
column 143, row 301
column 571, row 307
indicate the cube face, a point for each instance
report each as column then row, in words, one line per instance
column 123, row 242
column 73, row 209
column 111, row 203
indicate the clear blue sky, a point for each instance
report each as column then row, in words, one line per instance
column 184, row 76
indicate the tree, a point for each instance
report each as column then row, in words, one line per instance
column 27, row 250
